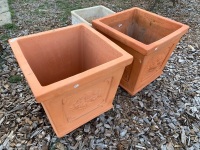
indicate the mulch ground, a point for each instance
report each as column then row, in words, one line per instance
column 164, row 115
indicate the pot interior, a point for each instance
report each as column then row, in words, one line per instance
column 60, row 54
column 141, row 26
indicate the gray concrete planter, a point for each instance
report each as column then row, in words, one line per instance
column 86, row 15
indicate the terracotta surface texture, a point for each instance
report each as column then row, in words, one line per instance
column 73, row 72
column 148, row 37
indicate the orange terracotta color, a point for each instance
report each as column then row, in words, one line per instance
column 73, row 72
column 148, row 37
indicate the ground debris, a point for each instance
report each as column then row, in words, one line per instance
column 164, row 115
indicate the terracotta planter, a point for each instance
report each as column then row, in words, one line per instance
column 86, row 15
column 150, row 38
column 73, row 72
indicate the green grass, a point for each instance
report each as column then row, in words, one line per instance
column 15, row 79
column 41, row 10
column 67, row 7
column 10, row 26
column 4, row 37
column 10, row 8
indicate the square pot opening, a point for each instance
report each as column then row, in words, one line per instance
column 93, row 13
column 141, row 26
column 62, row 53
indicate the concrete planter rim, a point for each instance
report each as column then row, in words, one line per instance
column 74, row 12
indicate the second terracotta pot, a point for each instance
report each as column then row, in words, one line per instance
column 150, row 38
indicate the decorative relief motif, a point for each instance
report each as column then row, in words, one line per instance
column 86, row 100
column 156, row 63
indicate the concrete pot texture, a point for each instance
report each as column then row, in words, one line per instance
column 74, row 72
column 148, row 37
column 86, row 15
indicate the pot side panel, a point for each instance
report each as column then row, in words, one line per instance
column 68, row 112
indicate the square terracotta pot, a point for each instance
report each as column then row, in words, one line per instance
column 73, row 72
column 148, row 37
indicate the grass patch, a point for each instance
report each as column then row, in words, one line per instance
column 4, row 37
column 10, row 26
column 10, row 8
column 67, row 7
column 42, row 9
column 15, row 79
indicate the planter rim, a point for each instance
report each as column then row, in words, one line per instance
column 74, row 12
column 38, row 90
column 88, row 8
column 145, row 49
